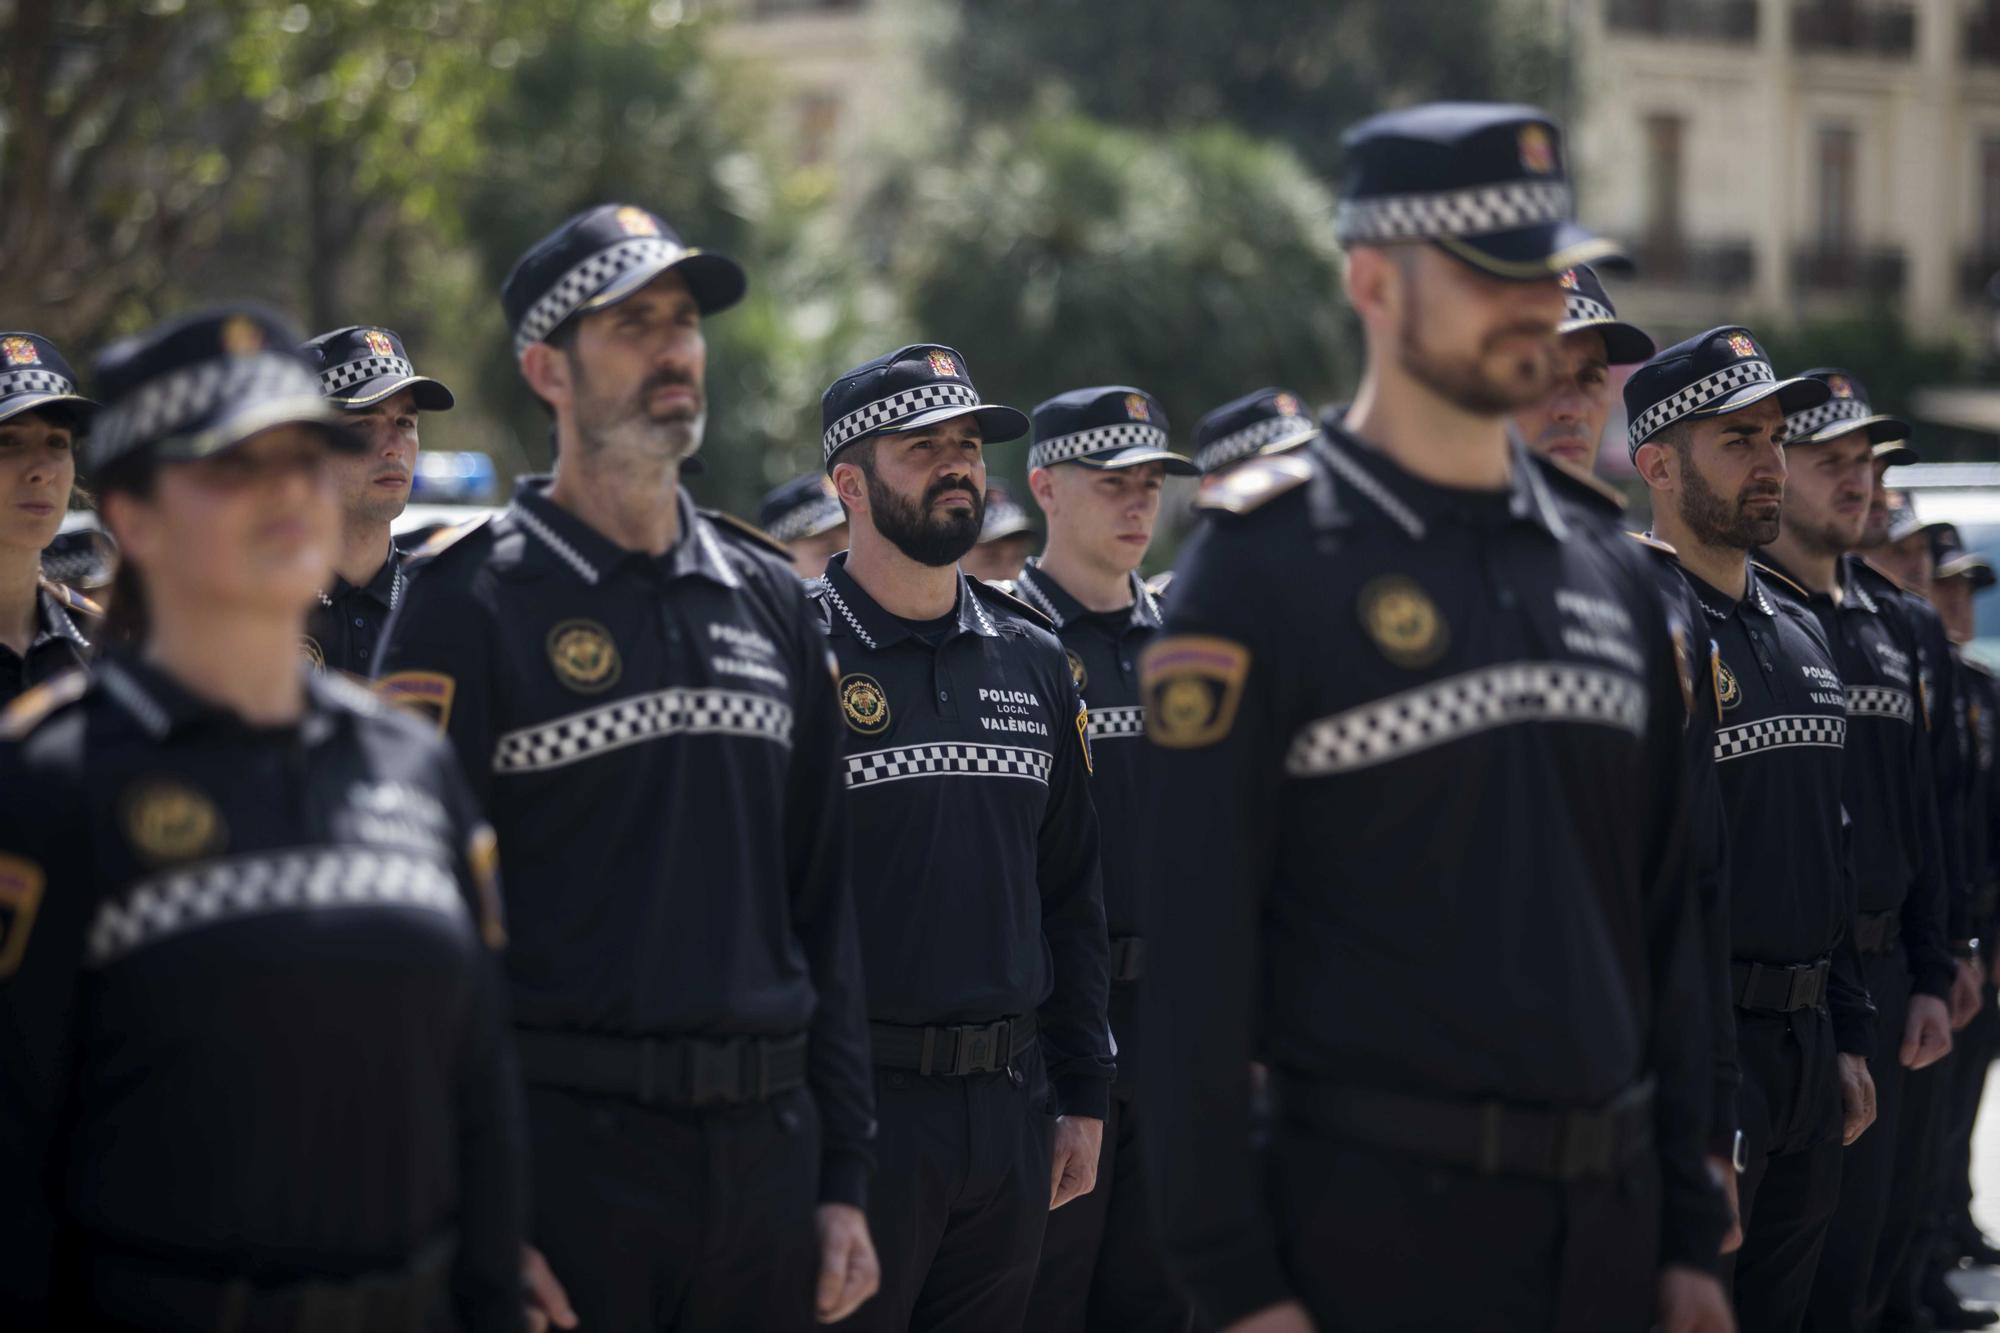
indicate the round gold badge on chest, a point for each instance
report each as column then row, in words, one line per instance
column 168, row 821
column 1727, row 692
column 584, row 657
column 1404, row 622
column 864, row 704
column 1077, row 673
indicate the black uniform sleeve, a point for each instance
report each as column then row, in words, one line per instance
column 1075, row 1025
column 1847, row 998
column 1207, row 929
column 822, row 907
column 434, row 660
column 1945, row 716
column 1930, row 896
column 1709, row 821
column 46, row 898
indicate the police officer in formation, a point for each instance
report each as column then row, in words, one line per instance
column 1433, row 874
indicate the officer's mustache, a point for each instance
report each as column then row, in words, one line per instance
column 944, row 486
column 670, row 379
column 1764, row 491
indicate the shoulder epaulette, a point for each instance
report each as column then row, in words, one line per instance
column 1783, row 582
column 73, row 600
column 1653, row 543
column 1003, row 598
column 1881, row 579
column 33, row 706
column 1975, row 666
column 1160, row 582
column 749, row 532
column 441, row 541
column 1581, row 485
column 1254, row 482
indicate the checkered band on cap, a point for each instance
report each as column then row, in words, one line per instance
column 169, row 404
column 34, row 381
column 1471, row 212
column 589, row 278
column 1703, row 392
column 1578, row 308
column 1096, row 440
column 1250, row 440
column 805, row 518
column 350, row 373
column 1815, row 419
column 884, row 413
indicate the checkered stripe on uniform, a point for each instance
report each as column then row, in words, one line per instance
column 645, row 717
column 350, row 373
column 1470, row 212
column 1577, row 306
column 947, row 760
column 1710, row 389
column 1097, row 439
column 1252, row 439
column 299, row 879
column 34, row 381
column 1881, row 701
column 1777, row 733
column 1801, row 424
column 589, row 278
column 1106, row 723
column 1510, row 694
column 897, row 407
column 172, row 402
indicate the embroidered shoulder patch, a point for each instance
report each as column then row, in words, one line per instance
column 425, row 693
column 1192, row 685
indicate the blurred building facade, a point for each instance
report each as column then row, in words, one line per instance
column 824, row 58
column 1790, row 159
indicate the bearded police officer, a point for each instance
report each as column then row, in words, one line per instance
column 365, row 372
column 1388, row 659
column 641, row 697
column 1706, row 424
column 967, row 764
column 804, row 516
column 1097, row 467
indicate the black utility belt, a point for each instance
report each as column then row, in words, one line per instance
column 1985, row 902
column 687, row 1072
column 968, row 1048
column 1877, row 932
column 1492, row 1138
column 1780, row 988
column 136, row 1289
column 1128, row 958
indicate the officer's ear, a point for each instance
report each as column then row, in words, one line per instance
column 1375, row 281
column 1658, row 466
column 1042, row 484
column 546, row 368
column 850, row 482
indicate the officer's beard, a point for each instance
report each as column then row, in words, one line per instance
column 1718, row 522
column 630, row 426
column 930, row 540
column 1523, row 357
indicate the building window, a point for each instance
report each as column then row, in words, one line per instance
column 1663, row 182
column 1834, row 202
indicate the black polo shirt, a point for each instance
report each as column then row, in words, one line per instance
column 1780, row 734
column 344, row 627
column 1103, row 648
column 1887, row 785
column 656, row 740
column 250, row 1021
column 1435, row 737
column 1981, row 795
column 975, row 844
column 64, row 626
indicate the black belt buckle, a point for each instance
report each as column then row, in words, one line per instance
column 716, row 1071
column 1589, row 1143
column 1802, row 993
column 979, row 1049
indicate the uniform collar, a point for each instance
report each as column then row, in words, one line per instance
column 162, row 707
column 1852, row 594
column 56, row 621
column 574, row 546
column 383, row 586
column 1416, row 506
column 1720, row 606
column 1043, row 593
column 855, row 612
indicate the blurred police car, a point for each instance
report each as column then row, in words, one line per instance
column 449, row 487
column 1967, row 496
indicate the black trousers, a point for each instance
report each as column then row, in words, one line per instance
column 656, row 1219
column 1972, row 1058
column 1789, row 1107
column 959, row 1199
column 1363, row 1232
column 1847, row 1288
column 1102, row 1263
column 1893, row 1298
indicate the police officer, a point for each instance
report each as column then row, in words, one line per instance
column 1568, row 423
column 45, row 627
column 253, row 1067
column 1006, row 538
column 641, row 695
column 975, row 856
column 804, row 516
column 1894, row 846
column 1387, row 660
column 1706, row 421
column 364, row 371
column 1097, row 467
column 1269, row 421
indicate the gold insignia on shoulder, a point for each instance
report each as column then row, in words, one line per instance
column 584, row 657
column 865, row 704
column 1404, row 622
column 314, row 654
column 1083, row 737
column 1684, row 669
column 1728, row 693
column 1078, row 676
column 1647, row 539
column 425, row 693
column 1253, row 482
column 26, row 712
column 21, row 882
column 1192, row 685
column 169, row 821
column 482, row 857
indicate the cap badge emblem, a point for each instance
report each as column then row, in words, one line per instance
column 241, row 336
column 1740, row 344
column 942, row 363
column 378, row 343
column 637, row 222
column 1538, row 151
column 864, row 703
column 1842, row 386
column 1404, row 622
column 19, row 352
column 1287, row 405
column 1137, row 408
column 1568, row 279
column 584, row 657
